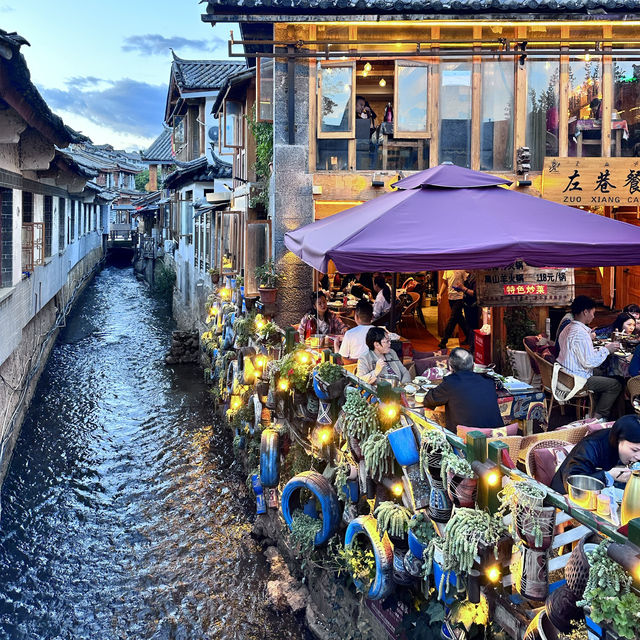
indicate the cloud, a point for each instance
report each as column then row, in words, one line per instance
column 156, row 44
column 126, row 105
column 7, row 8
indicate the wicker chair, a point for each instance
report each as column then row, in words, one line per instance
column 633, row 386
column 530, row 461
column 578, row 401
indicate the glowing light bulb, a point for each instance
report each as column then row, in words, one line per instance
column 397, row 489
column 303, row 357
column 391, row 412
column 367, row 67
column 325, row 435
column 260, row 362
column 365, row 74
column 235, row 404
column 224, row 292
column 283, row 384
column 382, row 82
column 493, row 478
column 493, row 573
column 587, row 57
column 260, row 324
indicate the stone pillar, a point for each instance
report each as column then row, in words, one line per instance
column 291, row 200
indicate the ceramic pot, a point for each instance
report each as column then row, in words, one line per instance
column 462, row 491
column 576, row 572
column 561, row 608
column 268, row 296
column 440, row 506
column 534, row 581
column 545, row 518
column 541, row 628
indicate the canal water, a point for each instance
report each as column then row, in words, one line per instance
column 124, row 515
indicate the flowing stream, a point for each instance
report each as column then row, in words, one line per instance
column 124, row 514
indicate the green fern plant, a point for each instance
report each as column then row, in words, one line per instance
column 377, row 455
column 392, row 518
column 303, row 532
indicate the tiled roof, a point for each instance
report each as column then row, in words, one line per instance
column 160, row 150
column 198, row 170
column 21, row 94
column 192, row 75
column 415, row 7
column 106, row 158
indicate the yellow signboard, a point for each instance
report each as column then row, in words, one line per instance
column 592, row 182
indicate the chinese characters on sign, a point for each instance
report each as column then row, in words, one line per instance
column 522, row 284
column 592, row 181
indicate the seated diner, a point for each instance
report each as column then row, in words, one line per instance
column 580, row 358
column 354, row 343
column 319, row 320
column 625, row 323
column 379, row 362
column 470, row 399
column 605, row 455
column 382, row 302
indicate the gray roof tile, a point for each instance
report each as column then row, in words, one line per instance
column 422, row 7
column 160, row 149
column 192, row 75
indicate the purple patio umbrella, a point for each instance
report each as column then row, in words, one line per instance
column 448, row 217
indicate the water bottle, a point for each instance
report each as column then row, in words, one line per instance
column 261, row 507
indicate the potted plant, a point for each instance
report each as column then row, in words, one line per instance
column 268, row 333
column 433, row 445
column 466, row 533
column 377, row 455
column 329, row 381
column 393, row 519
column 608, row 595
column 359, row 419
column 268, row 279
column 533, row 524
column 519, row 325
column 462, row 483
column 215, row 275
column 420, row 533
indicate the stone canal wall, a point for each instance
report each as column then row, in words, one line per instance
column 21, row 369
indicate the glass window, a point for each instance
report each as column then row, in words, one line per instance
column 412, row 80
column 332, row 155
column 232, row 124
column 336, row 112
column 585, row 99
column 455, row 113
column 496, row 134
column 543, row 88
column 265, row 90
column 257, row 252
column 625, row 115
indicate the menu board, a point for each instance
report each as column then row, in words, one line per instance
column 521, row 284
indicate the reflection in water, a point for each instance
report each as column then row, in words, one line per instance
column 124, row 516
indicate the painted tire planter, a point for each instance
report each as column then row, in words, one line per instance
column 269, row 458
column 462, row 491
column 325, row 494
column 383, row 583
column 541, row 628
column 404, row 446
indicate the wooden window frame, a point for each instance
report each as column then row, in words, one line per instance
column 351, row 134
column 426, row 134
column 259, row 64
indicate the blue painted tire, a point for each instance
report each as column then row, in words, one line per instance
column 269, row 458
column 382, row 550
column 324, row 492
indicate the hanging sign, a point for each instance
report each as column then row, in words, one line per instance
column 520, row 284
column 592, row 182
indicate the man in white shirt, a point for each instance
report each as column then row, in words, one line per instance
column 579, row 357
column 454, row 282
column 354, row 342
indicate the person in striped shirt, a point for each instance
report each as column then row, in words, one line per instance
column 579, row 357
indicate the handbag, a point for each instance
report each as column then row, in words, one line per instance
column 560, row 391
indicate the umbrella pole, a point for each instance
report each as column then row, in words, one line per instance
column 393, row 302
